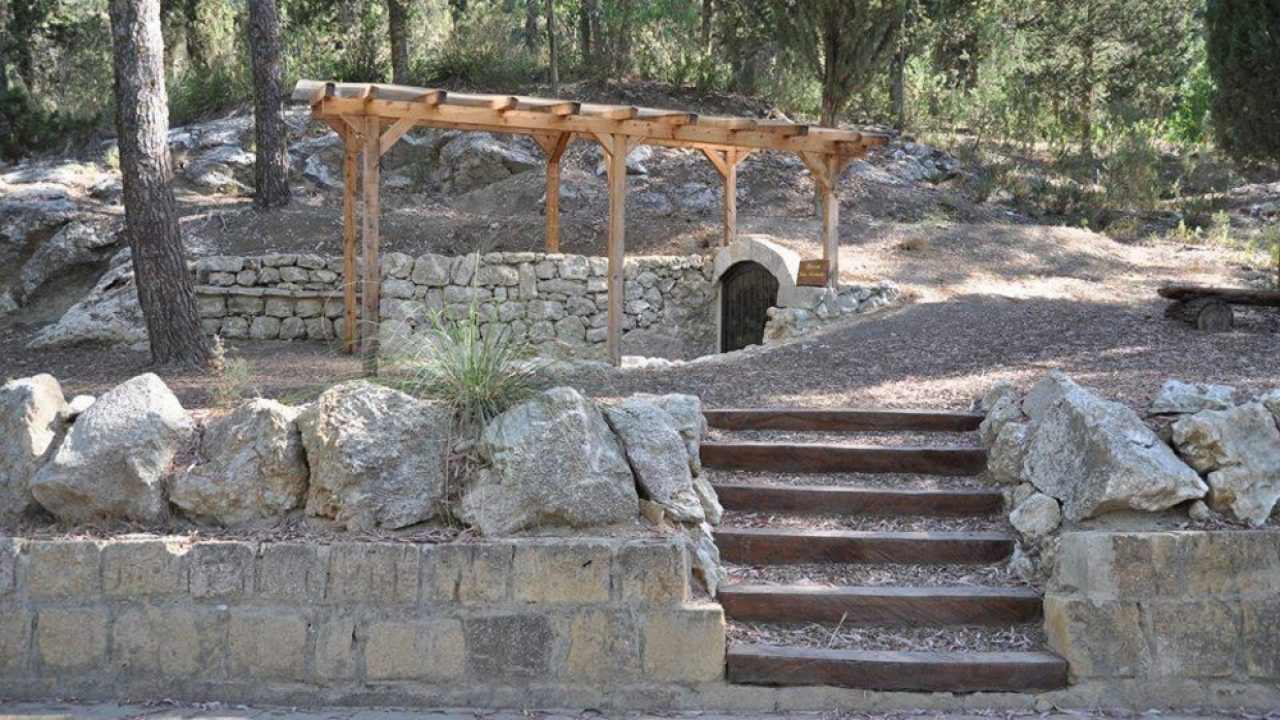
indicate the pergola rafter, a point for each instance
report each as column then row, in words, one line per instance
column 371, row 118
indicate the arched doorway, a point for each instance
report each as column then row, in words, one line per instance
column 747, row 291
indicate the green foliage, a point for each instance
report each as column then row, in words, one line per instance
column 1188, row 124
column 235, row 377
column 28, row 127
column 478, row 370
column 1243, row 44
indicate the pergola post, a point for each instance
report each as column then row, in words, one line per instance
column 826, row 171
column 616, row 148
column 372, row 285
column 350, row 174
column 553, row 144
column 726, row 163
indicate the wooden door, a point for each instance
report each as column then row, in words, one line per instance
column 747, row 291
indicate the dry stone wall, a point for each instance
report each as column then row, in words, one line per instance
column 557, row 302
column 514, row 623
column 1169, row 618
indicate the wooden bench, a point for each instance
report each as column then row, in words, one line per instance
column 1209, row 308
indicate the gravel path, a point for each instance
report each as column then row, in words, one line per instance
column 823, row 575
column 943, row 439
column 873, row 637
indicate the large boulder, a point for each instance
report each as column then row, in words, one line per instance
column 113, row 461
column 686, row 411
column 1046, row 392
column 1008, row 453
column 552, row 460
column 1239, row 449
column 251, row 466
column 657, row 456
column 109, row 314
column 472, row 160
column 378, row 457
column 31, row 412
column 1097, row 456
column 1179, row 398
column 77, row 244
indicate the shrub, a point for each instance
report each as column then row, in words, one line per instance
column 27, row 127
column 478, row 371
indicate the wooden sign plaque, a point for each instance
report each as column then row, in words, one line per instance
column 813, row 273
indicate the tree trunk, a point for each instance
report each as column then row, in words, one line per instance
column 531, row 25
column 164, row 284
column 898, row 92
column 622, row 51
column 197, row 43
column 832, row 97
column 457, row 9
column 270, row 169
column 553, row 50
column 704, row 31
column 584, row 32
column 1087, row 82
column 397, row 19
column 26, row 17
column 4, row 47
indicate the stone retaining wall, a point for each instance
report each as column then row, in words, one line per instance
column 1170, row 618
column 517, row 623
column 558, row 302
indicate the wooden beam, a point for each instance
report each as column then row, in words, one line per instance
column 774, row 546
column 350, row 175
column 842, row 420
column 822, row 500
column 372, row 284
column 617, row 242
column 817, row 458
column 730, row 198
column 831, row 233
column 565, row 107
column 394, row 133
column 554, row 146
column 610, row 112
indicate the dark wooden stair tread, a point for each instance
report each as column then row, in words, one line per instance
column 822, row 499
column 889, row 605
column 821, row 458
column 896, row 670
column 841, row 419
column 765, row 546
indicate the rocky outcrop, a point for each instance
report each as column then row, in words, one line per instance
column 78, row 244
column 550, row 461
column 31, row 414
column 686, row 411
column 472, row 160
column 1179, row 398
column 1239, row 451
column 108, row 315
column 113, row 461
column 378, row 457
column 251, row 466
column 1097, row 456
column 657, row 456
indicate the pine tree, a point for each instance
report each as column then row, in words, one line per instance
column 270, row 169
column 1243, row 45
column 165, row 288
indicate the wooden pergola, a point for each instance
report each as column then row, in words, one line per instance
column 370, row 118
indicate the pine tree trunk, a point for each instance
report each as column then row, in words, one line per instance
column 531, row 25
column 898, row 92
column 397, row 20
column 704, row 31
column 163, row 281
column 553, row 48
column 584, row 32
column 270, row 169
column 4, row 48
column 197, row 43
column 622, row 57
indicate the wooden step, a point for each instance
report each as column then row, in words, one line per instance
column 752, row 546
column 805, row 458
column 841, row 420
column 820, row 499
column 889, row 670
column 960, row 605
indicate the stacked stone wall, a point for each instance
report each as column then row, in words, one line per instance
column 557, row 302
column 520, row 623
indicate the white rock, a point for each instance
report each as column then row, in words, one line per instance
column 1007, row 453
column 1239, row 448
column 113, row 461
column 553, row 461
column 1036, row 516
column 1047, row 391
column 378, row 457
column 1177, row 397
column 1199, row 511
column 657, row 456
column 108, row 315
column 251, row 466
column 31, row 412
column 1097, row 456
column 686, row 410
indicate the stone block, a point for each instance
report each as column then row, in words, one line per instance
column 308, row 308
column 1261, row 633
column 651, row 572
column 235, row 328
column 211, row 326
column 221, row 570
column 211, row 306
column 292, row 328
column 245, row 305
column 9, row 552
column 292, row 573
column 1193, row 639
column 266, row 645
column 428, row 650
column 278, row 307
column 376, row 573
column 335, row 650
column 604, row 647
column 15, row 638
column 1098, row 639
column 503, row 648
column 71, row 638
column 561, row 572
column 168, row 642
column 310, row 261
column 62, row 568
column 684, row 645
column 319, row 329
column 264, row 328
column 144, row 568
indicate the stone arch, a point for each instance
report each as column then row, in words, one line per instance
column 781, row 262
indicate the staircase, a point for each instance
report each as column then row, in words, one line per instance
column 862, row 550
